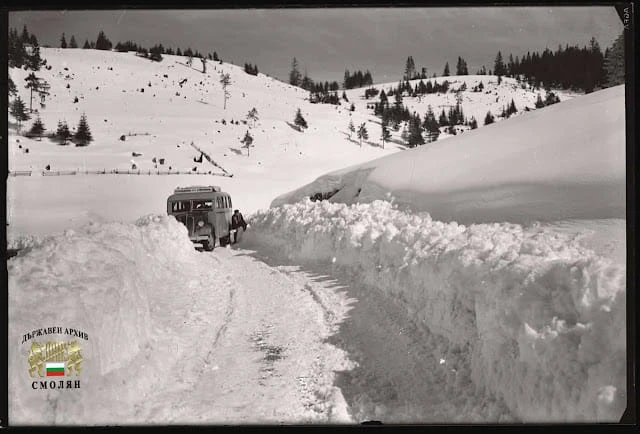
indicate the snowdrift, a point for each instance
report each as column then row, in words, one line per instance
column 111, row 281
column 539, row 317
column 564, row 161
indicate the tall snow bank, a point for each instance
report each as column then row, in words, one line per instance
column 540, row 318
column 100, row 279
column 564, row 161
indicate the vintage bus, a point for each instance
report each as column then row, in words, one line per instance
column 206, row 212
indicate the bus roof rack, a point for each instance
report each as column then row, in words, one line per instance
column 198, row 189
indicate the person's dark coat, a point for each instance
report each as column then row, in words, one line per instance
column 237, row 221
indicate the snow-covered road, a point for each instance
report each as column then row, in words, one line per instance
column 267, row 360
column 401, row 372
column 256, row 333
column 307, row 344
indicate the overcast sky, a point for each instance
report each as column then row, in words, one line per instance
column 328, row 41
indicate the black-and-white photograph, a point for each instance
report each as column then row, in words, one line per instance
column 318, row 216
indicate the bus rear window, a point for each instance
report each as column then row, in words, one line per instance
column 202, row 204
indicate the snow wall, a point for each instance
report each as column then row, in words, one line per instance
column 539, row 318
column 102, row 279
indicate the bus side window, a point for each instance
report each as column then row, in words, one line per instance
column 230, row 204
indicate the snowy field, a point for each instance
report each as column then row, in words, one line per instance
column 480, row 278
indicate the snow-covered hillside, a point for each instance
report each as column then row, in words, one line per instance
column 123, row 94
column 564, row 161
column 492, row 98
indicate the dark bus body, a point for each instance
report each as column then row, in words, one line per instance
column 206, row 212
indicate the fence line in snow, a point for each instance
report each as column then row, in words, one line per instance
column 115, row 172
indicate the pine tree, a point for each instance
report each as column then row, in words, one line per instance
column 294, row 75
column 443, row 120
column 247, row 141
column 155, row 53
column 103, row 43
column 38, row 85
column 34, row 61
column 614, row 63
column 539, row 102
column 385, row 134
column 498, row 67
column 489, row 119
column 397, row 100
column 306, row 83
column 83, row 135
column 225, row 81
column 62, row 133
column 473, row 123
column 24, row 37
column 415, row 132
column 72, row 42
column 384, row 101
column 351, row 128
column 19, row 111
column 86, row 45
column 63, row 41
column 409, row 69
column 15, row 49
column 512, row 108
column 461, row 67
column 511, row 66
column 252, row 117
column 362, row 133
column 37, row 129
column 446, row 70
column 300, row 120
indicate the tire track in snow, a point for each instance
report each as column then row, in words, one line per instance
column 264, row 359
column 228, row 316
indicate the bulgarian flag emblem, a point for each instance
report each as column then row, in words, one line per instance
column 55, row 369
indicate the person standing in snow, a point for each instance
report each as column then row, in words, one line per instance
column 237, row 222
